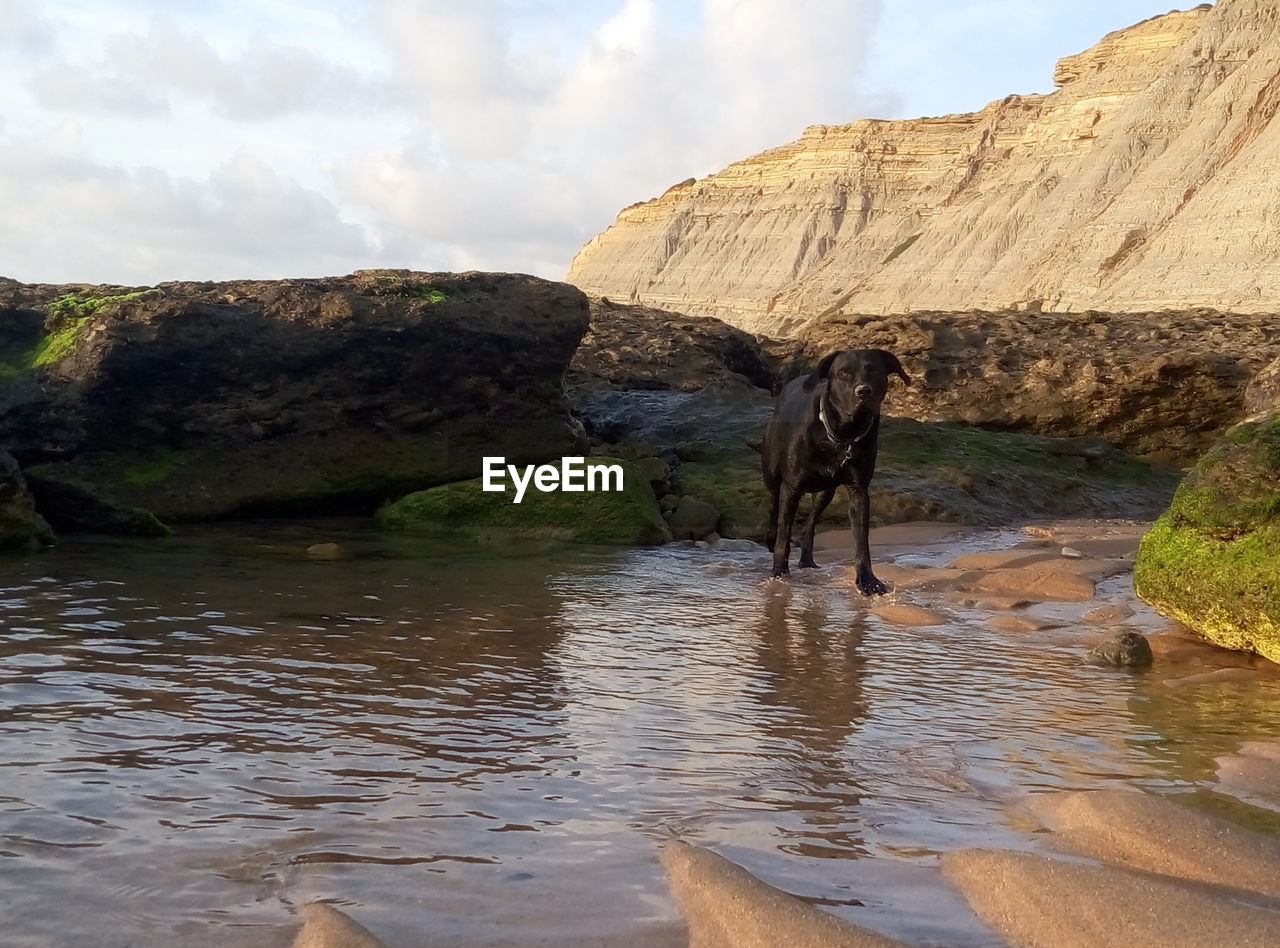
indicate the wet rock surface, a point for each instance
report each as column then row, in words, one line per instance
column 203, row 400
column 1126, row 649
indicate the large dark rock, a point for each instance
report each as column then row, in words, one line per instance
column 203, row 400
column 1158, row 384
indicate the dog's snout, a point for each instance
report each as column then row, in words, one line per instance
column 862, row 391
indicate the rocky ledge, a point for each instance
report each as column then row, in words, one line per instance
column 1163, row 385
column 193, row 401
column 689, row 396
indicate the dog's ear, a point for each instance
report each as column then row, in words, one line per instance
column 892, row 364
column 824, row 367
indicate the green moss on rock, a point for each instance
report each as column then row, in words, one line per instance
column 626, row 517
column 23, row 531
column 1212, row 561
column 932, row 470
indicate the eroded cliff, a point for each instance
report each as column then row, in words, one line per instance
column 1144, row 182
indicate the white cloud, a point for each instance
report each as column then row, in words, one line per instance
column 515, row 166
column 72, row 219
column 25, row 30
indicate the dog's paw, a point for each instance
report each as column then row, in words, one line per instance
column 780, row 571
column 868, row 585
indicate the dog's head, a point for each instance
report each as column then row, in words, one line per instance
column 857, row 379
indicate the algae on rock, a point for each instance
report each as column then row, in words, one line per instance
column 1212, row 561
column 626, row 517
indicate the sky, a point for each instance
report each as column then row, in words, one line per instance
column 151, row 140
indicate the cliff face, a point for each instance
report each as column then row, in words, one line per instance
column 1146, row 181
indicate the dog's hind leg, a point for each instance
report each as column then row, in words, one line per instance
column 788, row 501
column 771, row 535
column 820, row 503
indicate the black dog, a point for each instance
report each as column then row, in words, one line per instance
column 823, row 434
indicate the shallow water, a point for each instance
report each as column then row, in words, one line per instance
column 199, row 734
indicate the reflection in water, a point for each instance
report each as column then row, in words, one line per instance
column 811, row 702
column 199, row 733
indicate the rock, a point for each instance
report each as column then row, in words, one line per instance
column 901, row 613
column 725, row 906
column 726, row 545
column 204, row 400
column 669, row 502
column 1109, row 613
column 326, row 927
column 1127, row 649
column 327, row 551
column 1037, row 204
column 1071, row 553
column 1263, row 394
column 1035, row 901
column 75, row 508
column 637, row 347
column 655, row 470
column 21, row 528
column 1154, row 834
column 1042, row 582
column 626, row 517
column 693, row 519
column 1212, row 561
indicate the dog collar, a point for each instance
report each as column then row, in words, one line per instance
column 831, row 433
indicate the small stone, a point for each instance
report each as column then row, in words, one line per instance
column 693, row 519
column 1111, row 612
column 655, row 470
column 726, row 545
column 1127, row 649
column 1071, row 553
column 326, row 551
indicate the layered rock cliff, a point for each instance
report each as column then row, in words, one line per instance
column 1144, row 182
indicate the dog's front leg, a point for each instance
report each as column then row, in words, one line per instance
column 788, row 501
column 860, row 524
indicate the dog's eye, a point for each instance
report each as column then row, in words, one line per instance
column 844, row 373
